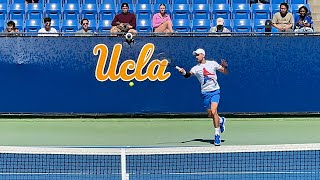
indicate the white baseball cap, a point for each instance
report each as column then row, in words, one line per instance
column 199, row 51
column 220, row 21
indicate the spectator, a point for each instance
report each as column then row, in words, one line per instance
column 31, row 1
column 283, row 20
column 260, row 1
column 303, row 21
column 84, row 31
column 124, row 22
column 219, row 27
column 47, row 30
column 161, row 22
column 11, row 29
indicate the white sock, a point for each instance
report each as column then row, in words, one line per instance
column 217, row 131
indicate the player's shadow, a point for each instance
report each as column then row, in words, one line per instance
column 210, row 141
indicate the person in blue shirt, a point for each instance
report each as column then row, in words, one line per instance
column 303, row 21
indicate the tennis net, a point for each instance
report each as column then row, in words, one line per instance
column 294, row 161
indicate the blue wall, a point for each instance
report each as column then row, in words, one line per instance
column 267, row 74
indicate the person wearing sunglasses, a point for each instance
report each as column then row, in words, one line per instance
column 84, row 31
column 303, row 20
column 47, row 30
column 205, row 71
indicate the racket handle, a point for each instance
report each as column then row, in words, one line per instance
column 178, row 68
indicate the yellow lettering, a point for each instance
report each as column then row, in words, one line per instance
column 144, row 56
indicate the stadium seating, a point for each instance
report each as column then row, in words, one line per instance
column 219, row 1
column 53, row 10
column 126, row 1
column 143, row 11
column 18, row 1
column 16, row 11
column 34, row 11
column 298, row 2
column 181, row 11
column 180, row 2
column 161, row 1
column 55, row 23
column 201, row 11
column 144, row 2
column 33, row 25
column 259, row 25
column 239, row 1
column 221, row 10
column 201, row 25
column 241, row 11
column 71, row 11
column 181, row 25
column 199, row 2
column 19, row 24
column 260, row 11
column 3, row 11
column 90, row 2
column 92, row 25
column 2, row 25
column 69, row 25
column 144, row 25
column 107, row 11
column 241, row 25
column 104, row 25
column 89, row 11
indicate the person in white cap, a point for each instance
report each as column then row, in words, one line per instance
column 219, row 27
column 205, row 71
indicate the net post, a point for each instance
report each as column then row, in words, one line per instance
column 123, row 165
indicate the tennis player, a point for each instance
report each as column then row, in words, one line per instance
column 205, row 71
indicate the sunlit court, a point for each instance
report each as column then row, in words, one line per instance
column 159, row 89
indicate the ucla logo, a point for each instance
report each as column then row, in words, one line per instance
column 143, row 68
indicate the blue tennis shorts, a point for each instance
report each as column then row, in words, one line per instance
column 210, row 97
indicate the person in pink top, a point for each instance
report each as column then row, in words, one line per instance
column 161, row 22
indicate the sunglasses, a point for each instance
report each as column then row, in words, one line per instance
column 197, row 54
column 85, row 23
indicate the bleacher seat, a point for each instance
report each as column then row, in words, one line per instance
column 104, row 25
column 241, row 11
column 143, row 11
column 199, row 2
column 239, row 1
column 181, row 11
column 72, row 2
column 298, row 2
column 34, row 11
column 89, row 11
column 131, row 9
column 55, row 23
column 181, row 25
column 33, row 25
column 274, row 9
column 227, row 23
column 3, row 25
column 156, row 8
column 295, row 8
column 90, row 2
column 161, row 1
column 242, row 25
column 19, row 24
column 53, row 1
column 69, row 25
column 107, row 11
column 71, row 11
column 108, row 2
column 218, row 1
column 92, row 25
column 18, row 1
column 144, row 25
column 53, row 10
column 201, row 25
column 260, row 11
column 3, row 11
column 201, row 11
column 126, row 1
column 278, row 2
column 17, row 11
column 180, row 2
column 221, row 10
column 143, row 2
column 259, row 25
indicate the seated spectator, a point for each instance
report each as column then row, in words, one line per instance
column 124, row 22
column 31, row 1
column 11, row 29
column 161, row 22
column 219, row 27
column 47, row 30
column 84, row 31
column 260, row 1
column 283, row 20
column 303, row 21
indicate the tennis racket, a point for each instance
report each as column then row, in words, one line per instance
column 164, row 56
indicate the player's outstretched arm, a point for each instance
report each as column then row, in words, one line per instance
column 185, row 73
column 224, row 68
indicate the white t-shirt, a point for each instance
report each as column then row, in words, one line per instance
column 44, row 32
column 206, row 74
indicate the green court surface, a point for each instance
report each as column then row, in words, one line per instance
column 156, row 132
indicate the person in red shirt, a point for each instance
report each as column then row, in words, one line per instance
column 124, row 22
